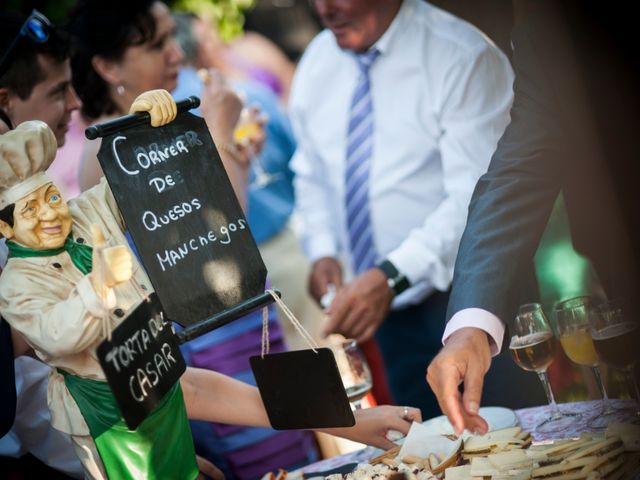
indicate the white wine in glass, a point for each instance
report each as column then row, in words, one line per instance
column 532, row 346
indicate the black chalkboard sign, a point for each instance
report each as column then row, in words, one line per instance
column 302, row 389
column 142, row 361
column 183, row 216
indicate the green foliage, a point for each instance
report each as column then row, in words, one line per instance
column 227, row 14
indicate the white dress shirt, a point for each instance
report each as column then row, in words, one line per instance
column 441, row 97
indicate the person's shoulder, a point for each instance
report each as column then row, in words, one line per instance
column 445, row 29
column 320, row 51
column 319, row 62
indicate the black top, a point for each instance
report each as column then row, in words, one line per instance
column 7, row 380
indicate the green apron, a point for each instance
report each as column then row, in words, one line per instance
column 160, row 448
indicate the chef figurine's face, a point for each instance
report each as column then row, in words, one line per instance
column 41, row 220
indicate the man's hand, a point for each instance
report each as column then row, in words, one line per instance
column 111, row 265
column 160, row 105
column 465, row 358
column 324, row 272
column 360, row 306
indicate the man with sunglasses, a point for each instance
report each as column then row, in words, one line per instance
column 35, row 74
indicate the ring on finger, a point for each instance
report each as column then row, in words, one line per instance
column 405, row 413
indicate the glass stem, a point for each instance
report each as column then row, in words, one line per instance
column 603, row 390
column 544, row 378
column 631, row 381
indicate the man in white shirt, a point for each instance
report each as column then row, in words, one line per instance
column 436, row 96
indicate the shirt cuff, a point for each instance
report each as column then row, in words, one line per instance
column 92, row 302
column 477, row 318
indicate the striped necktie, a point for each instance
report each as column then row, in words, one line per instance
column 358, row 162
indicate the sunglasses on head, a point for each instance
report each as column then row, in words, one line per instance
column 36, row 27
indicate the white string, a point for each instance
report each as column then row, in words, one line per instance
column 265, row 332
column 292, row 318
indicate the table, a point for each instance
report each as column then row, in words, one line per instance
column 528, row 418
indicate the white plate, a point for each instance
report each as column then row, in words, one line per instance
column 496, row 417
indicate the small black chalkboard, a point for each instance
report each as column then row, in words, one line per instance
column 185, row 220
column 142, row 361
column 302, row 389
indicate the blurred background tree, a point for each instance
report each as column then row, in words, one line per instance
column 228, row 14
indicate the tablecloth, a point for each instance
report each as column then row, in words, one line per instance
column 626, row 410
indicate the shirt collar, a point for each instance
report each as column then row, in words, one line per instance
column 389, row 37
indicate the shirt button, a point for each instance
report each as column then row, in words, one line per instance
column 56, row 265
column 118, row 312
column 79, row 240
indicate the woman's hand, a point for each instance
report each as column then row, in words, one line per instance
column 249, row 134
column 220, row 107
column 373, row 424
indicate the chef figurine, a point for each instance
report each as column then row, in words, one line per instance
column 69, row 281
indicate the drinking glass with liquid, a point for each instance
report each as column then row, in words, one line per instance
column 532, row 347
column 354, row 371
column 615, row 338
column 572, row 317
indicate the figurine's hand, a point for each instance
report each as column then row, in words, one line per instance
column 160, row 105
column 111, row 265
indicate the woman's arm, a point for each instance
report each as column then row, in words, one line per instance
column 214, row 397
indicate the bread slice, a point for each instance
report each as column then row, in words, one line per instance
column 629, row 433
column 511, row 460
column 519, row 474
column 482, row 467
column 462, row 472
column 563, row 467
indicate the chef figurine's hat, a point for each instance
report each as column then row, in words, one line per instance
column 25, row 153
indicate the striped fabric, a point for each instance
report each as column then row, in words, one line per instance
column 358, row 160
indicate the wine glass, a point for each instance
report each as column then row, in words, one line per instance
column 354, row 371
column 615, row 338
column 572, row 317
column 250, row 126
column 532, row 346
